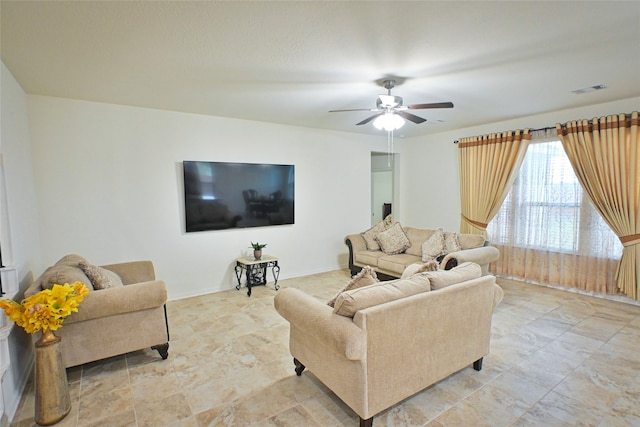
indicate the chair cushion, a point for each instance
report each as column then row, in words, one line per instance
column 396, row 263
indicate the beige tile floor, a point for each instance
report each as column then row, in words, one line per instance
column 557, row 359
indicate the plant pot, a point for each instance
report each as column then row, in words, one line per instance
column 257, row 254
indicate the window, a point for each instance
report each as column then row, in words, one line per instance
column 546, row 209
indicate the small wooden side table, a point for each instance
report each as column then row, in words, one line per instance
column 256, row 271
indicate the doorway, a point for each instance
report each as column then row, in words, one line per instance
column 382, row 172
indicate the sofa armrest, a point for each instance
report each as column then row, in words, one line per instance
column 133, row 272
column 318, row 320
column 121, row 299
column 482, row 256
column 357, row 242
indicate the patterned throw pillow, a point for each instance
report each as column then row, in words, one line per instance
column 101, row 278
column 393, row 240
column 451, row 243
column 371, row 234
column 366, row 277
column 433, row 247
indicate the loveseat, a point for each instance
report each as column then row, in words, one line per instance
column 123, row 312
column 386, row 341
column 418, row 245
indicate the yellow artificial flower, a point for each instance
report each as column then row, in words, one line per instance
column 47, row 309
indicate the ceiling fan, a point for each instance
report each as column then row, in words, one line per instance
column 389, row 107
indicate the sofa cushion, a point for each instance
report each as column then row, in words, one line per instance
column 371, row 234
column 396, row 263
column 470, row 241
column 393, row 240
column 350, row 302
column 443, row 278
column 368, row 257
column 451, row 243
column 101, row 278
column 419, row 267
column 433, row 246
column 417, row 236
column 61, row 274
column 367, row 276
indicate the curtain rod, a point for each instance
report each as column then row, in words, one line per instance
column 532, row 130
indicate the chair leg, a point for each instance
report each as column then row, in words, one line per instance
column 299, row 366
column 477, row 365
column 162, row 349
column 366, row 423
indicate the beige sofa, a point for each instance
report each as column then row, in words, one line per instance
column 128, row 315
column 472, row 248
column 407, row 340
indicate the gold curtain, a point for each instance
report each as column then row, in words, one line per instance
column 605, row 156
column 488, row 166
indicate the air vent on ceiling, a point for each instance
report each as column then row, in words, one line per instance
column 589, row 89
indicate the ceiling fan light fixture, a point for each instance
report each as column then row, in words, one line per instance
column 388, row 122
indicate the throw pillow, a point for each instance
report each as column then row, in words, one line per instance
column 371, row 234
column 442, row 278
column 451, row 243
column 393, row 240
column 433, row 246
column 61, row 274
column 417, row 268
column 367, row 276
column 101, row 278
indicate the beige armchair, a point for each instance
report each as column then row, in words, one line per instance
column 127, row 316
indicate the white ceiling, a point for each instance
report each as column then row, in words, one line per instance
column 292, row 62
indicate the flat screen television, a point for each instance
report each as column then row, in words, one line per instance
column 219, row 195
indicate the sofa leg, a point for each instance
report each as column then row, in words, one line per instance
column 366, row 423
column 299, row 366
column 162, row 349
column 477, row 365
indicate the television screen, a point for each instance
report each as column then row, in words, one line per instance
column 221, row 195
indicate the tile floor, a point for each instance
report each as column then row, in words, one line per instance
column 557, row 359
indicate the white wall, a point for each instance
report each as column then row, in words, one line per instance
column 109, row 182
column 430, row 190
column 21, row 245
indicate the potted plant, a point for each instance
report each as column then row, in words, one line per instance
column 257, row 249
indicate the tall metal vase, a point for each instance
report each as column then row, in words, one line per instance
column 52, row 393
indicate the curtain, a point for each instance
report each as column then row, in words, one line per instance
column 488, row 166
column 547, row 231
column 605, row 156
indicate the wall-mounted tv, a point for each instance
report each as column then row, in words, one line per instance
column 220, row 195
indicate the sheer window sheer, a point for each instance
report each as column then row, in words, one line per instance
column 548, row 231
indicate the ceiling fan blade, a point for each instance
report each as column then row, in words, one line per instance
column 432, row 105
column 411, row 117
column 368, row 119
column 354, row 109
